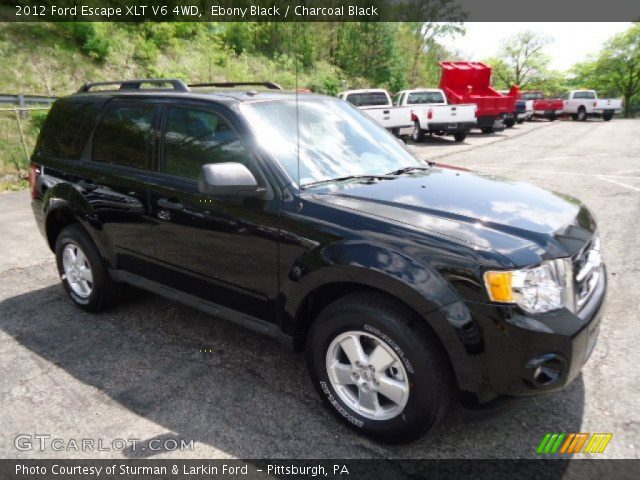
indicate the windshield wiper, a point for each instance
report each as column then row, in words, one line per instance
column 344, row 179
column 404, row 170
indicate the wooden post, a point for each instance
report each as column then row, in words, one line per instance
column 22, row 139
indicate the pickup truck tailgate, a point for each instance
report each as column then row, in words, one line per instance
column 390, row 117
column 450, row 113
column 608, row 104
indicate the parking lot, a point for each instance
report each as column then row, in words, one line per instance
column 153, row 369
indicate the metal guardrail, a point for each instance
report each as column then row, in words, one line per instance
column 24, row 100
column 24, row 103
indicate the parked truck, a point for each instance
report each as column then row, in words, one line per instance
column 523, row 108
column 582, row 104
column 470, row 82
column 549, row 108
column 376, row 103
column 431, row 114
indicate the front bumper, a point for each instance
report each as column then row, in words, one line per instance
column 499, row 351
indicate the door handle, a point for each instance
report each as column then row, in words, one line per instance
column 170, row 204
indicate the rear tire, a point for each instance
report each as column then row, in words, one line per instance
column 460, row 136
column 520, row 121
column 509, row 123
column 418, row 133
column 574, row 117
column 582, row 114
column 83, row 271
column 552, row 118
column 488, row 130
column 606, row 117
column 387, row 352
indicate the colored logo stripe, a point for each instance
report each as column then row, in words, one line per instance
column 552, row 442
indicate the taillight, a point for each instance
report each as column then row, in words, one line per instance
column 430, row 113
column 34, row 173
column 414, row 117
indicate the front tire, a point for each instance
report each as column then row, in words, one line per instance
column 376, row 370
column 83, row 271
column 418, row 133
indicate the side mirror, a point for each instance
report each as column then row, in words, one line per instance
column 228, row 178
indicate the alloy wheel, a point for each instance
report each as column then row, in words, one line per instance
column 367, row 375
column 77, row 270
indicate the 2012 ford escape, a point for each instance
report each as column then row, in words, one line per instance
column 409, row 284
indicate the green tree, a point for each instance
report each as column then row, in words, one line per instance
column 616, row 69
column 521, row 60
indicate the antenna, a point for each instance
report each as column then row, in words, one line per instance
column 297, row 25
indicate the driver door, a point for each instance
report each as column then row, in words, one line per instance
column 223, row 250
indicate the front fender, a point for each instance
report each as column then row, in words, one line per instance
column 359, row 262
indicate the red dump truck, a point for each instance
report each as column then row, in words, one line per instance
column 470, row 82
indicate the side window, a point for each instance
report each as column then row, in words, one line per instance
column 123, row 135
column 396, row 99
column 566, row 96
column 590, row 95
column 579, row 95
column 193, row 138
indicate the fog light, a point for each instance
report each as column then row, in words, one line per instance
column 545, row 370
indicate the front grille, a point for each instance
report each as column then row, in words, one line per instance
column 587, row 268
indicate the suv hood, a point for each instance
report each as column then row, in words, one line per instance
column 523, row 222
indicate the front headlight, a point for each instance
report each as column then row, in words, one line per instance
column 535, row 290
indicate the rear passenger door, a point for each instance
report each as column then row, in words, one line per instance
column 112, row 179
column 221, row 249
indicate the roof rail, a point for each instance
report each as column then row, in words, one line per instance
column 177, row 85
column 269, row 85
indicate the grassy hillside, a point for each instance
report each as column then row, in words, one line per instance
column 55, row 59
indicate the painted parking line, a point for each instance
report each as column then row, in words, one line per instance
column 631, row 187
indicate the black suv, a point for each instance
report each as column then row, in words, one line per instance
column 409, row 284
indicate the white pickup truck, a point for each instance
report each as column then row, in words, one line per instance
column 582, row 104
column 431, row 114
column 376, row 103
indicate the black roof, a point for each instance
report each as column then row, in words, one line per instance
column 234, row 96
column 176, row 88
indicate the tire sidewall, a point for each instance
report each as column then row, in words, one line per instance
column 417, row 134
column 421, row 408
column 72, row 236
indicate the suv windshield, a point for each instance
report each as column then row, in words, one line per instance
column 336, row 140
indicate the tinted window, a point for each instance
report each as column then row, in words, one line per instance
column 589, row 95
column 532, row 96
column 123, row 136
column 195, row 137
column 366, row 99
column 417, row 98
column 67, row 128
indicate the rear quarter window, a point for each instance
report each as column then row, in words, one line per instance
column 123, row 136
column 67, row 127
